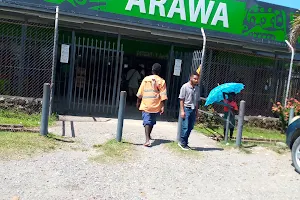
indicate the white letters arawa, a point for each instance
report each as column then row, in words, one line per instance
column 196, row 9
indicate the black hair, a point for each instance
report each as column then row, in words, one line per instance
column 232, row 94
column 156, row 67
column 194, row 73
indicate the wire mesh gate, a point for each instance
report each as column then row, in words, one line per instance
column 265, row 78
column 25, row 58
column 90, row 82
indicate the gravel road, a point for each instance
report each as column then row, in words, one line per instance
column 154, row 173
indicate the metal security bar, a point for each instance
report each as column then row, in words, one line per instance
column 90, row 82
column 174, row 83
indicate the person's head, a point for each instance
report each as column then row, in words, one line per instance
column 194, row 78
column 156, row 67
column 231, row 96
column 141, row 66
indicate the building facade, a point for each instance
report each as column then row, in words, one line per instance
column 99, row 41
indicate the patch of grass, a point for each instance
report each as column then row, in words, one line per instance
column 17, row 145
column 248, row 132
column 247, row 147
column 276, row 148
column 173, row 146
column 113, row 151
column 16, row 117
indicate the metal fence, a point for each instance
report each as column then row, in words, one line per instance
column 90, row 82
column 265, row 78
column 25, row 58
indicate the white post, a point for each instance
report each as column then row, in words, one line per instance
column 203, row 48
column 290, row 72
column 202, row 59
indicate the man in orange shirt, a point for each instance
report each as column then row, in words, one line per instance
column 151, row 97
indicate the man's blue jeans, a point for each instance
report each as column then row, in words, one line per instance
column 187, row 125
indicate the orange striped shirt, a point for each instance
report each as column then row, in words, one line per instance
column 152, row 91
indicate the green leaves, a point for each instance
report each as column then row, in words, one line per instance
column 295, row 29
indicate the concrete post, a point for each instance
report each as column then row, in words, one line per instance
column 45, row 110
column 291, row 114
column 122, row 104
column 240, row 123
column 179, row 127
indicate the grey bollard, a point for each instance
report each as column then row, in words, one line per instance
column 291, row 114
column 121, row 115
column 179, row 127
column 227, row 126
column 45, row 110
column 240, row 123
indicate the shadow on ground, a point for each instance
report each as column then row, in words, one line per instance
column 130, row 113
column 156, row 142
column 206, row 149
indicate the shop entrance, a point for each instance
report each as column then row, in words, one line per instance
column 141, row 67
column 89, row 83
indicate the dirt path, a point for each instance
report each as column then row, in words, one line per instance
column 153, row 173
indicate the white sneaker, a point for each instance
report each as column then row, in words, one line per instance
column 183, row 148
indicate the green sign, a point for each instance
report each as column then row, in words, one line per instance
column 260, row 21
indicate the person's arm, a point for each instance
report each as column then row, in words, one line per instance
column 182, row 113
column 236, row 109
column 224, row 95
column 197, row 111
column 197, row 103
column 162, row 111
column 163, row 96
column 138, row 102
column 139, row 77
column 182, row 97
column 139, row 95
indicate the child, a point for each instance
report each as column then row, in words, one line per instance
column 233, row 111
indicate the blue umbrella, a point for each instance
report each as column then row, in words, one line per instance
column 216, row 95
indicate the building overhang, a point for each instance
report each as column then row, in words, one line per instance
column 79, row 22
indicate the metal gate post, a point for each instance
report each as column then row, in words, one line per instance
column 117, row 68
column 72, row 68
column 290, row 73
column 227, row 126
column 54, row 60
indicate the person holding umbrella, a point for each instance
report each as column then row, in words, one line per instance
column 233, row 110
column 219, row 94
column 189, row 98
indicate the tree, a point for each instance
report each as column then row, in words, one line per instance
column 295, row 29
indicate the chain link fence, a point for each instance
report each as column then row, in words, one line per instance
column 265, row 78
column 25, row 62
